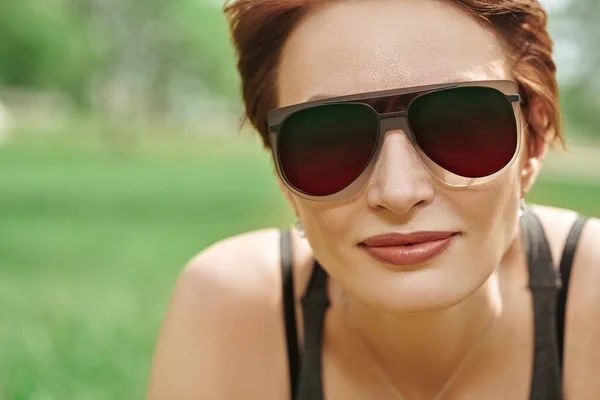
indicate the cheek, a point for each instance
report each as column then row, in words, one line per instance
column 322, row 222
column 327, row 226
column 490, row 211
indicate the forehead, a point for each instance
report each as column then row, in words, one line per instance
column 356, row 46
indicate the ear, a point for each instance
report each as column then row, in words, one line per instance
column 537, row 130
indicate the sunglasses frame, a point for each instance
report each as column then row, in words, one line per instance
column 391, row 108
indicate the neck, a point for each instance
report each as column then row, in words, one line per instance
column 424, row 349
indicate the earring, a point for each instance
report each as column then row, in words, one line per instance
column 298, row 226
column 522, row 207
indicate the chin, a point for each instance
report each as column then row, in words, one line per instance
column 424, row 303
column 421, row 290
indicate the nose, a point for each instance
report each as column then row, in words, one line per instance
column 400, row 181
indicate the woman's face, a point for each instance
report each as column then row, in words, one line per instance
column 353, row 47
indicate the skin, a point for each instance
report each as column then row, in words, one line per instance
column 223, row 335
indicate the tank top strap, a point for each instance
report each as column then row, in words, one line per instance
column 544, row 284
column 316, row 292
column 566, row 264
column 315, row 303
column 289, row 309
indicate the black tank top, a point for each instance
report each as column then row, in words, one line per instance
column 549, row 293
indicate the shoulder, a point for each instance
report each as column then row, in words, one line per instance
column 236, row 268
column 585, row 275
column 224, row 324
column 246, row 267
column 557, row 223
column 582, row 349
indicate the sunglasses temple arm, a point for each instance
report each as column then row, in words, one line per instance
column 513, row 97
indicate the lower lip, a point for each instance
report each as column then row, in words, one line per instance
column 409, row 255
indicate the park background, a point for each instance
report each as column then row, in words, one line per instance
column 121, row 157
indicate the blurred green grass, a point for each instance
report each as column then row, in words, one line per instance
column 91, row 243
column 93, row 237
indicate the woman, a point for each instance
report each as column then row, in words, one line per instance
column 405, row 134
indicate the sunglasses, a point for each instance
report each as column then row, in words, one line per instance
column 465, row 133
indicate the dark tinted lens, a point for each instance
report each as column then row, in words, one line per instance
column 469, row 131
column 324, row 149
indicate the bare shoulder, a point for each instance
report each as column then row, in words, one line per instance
column 582, row 349
column 558, row 222
column 585, row 274
column 243, row 266
column 248, row 266
column 222, row 336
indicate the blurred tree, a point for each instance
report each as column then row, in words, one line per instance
column 163, row 48
column 151, row 50
column 577, row 34
column 166, row 58
column 44, row 46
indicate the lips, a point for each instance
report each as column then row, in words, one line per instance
column 408, row 249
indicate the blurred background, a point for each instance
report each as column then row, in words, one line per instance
column 121, row 157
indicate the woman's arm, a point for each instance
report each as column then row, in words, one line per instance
column 222, row 337
column 582, row 337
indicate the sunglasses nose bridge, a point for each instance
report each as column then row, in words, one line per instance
column 394, row 123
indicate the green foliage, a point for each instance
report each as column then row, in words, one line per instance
column 72, row 45
column 155, row 47
column 581, row 107
column 44, row 45
column 202, row 33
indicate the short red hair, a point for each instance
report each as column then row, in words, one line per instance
column 259, row 29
